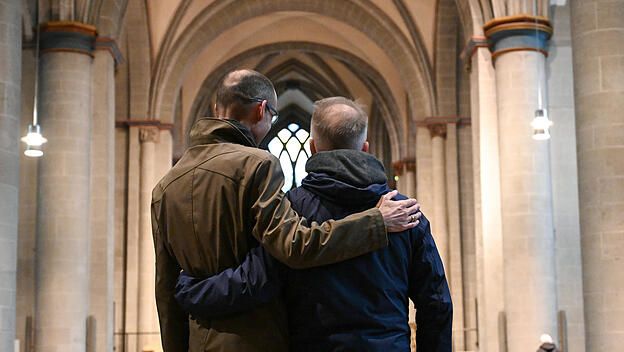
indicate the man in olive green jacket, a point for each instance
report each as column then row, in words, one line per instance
column 222, row 198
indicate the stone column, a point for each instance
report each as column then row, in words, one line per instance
column 564, row 171
column 410, row 174
column 164, row 152
column 467, row 237
column 102, row 199
column 27, row 224
column 424, row 177
column 399, row 174
column 598, row 58
column 62, row 268
column 147, row 316
column 406, row 170
column 374, row 135
column 439, row 226
column 445, row 220
column 454, row 269
column 409, row 178
column 486, row 175
column 528, row 240
column 130, row 264
column 10, row 87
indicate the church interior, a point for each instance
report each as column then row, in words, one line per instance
column 502, row 117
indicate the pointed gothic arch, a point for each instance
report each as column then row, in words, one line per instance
column 363, row 15
column 370, row 77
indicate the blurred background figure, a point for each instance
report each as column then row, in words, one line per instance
column 547, row 344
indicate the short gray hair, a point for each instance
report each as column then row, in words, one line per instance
column 236, row 89
column 339, row 123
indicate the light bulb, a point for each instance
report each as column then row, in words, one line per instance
column 34, row 137
column 33, row 151
column 541, row 125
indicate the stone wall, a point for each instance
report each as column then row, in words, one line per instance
column 598, row 59
column 10, row 84
column 564, row 179
column 28, row 207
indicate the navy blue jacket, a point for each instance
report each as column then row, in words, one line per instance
column 356, row 305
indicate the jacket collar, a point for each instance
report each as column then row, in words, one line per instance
column 350, row 166
column 346, row 177
column 209, row 130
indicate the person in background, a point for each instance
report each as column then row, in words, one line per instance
column 547, row 344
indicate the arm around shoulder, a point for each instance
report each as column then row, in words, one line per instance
column 299, row 244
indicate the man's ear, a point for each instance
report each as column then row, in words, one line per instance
column 365, row 147
column 312, row 146
column 260, row 111
column 215, row 110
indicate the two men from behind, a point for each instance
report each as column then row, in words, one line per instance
column 360, row 304
column 222, row 198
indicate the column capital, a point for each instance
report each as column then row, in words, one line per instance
column 149, row 134
column 437, row 124
column 66, row 36
column 407, row 164
column 110, row 45
column 518, row 33
column 397, row 167
column 471, row 47
column 410, row 164
column 475, row 42
column 147, row 128
column 437, row 129
column 144, row 123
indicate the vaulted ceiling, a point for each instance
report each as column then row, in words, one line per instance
column 376, row 51
column 381, row 52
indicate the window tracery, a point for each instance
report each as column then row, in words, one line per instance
column 290, row 145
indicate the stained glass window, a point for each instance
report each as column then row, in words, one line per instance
column 291, row 147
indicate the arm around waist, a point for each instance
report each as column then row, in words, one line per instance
column 255, row 282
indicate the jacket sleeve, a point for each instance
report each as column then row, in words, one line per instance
column 299, row 244
column 174, row 329
column 255, row 282
column 429, row 291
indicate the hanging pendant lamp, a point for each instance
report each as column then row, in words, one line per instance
column 34, row 140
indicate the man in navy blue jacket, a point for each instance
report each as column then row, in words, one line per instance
column 360, row 304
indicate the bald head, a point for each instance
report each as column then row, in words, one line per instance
column 236, row 89
column 338, row 123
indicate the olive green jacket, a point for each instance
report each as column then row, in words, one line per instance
column 208, row 211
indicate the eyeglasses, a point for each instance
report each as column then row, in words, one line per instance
column 274, row 113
